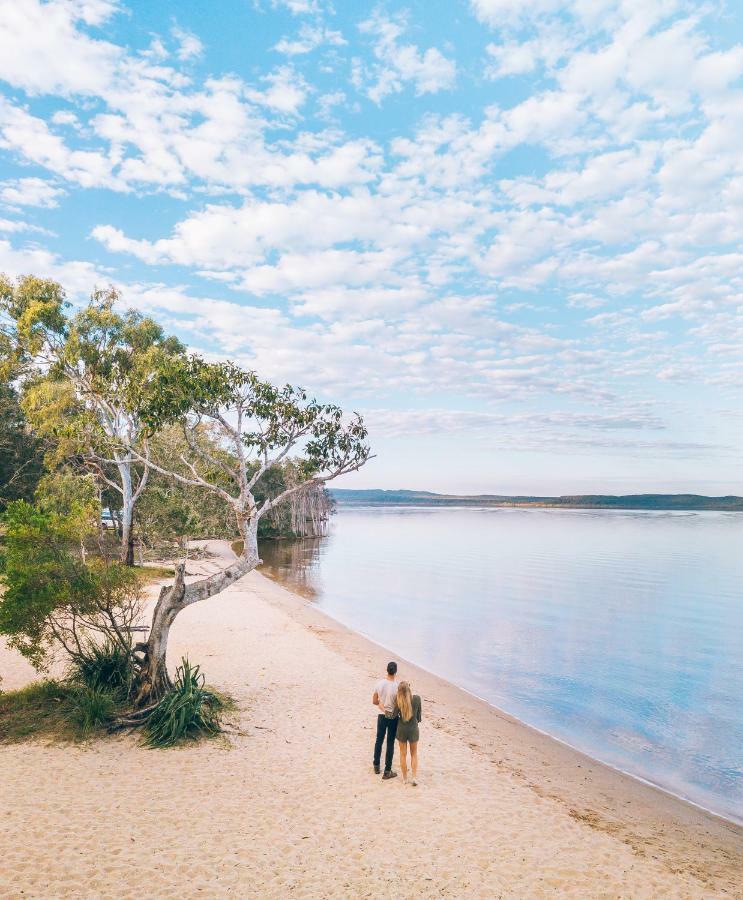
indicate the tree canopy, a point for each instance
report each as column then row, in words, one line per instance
column 80, row 375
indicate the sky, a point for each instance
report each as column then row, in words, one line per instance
column 508, row 232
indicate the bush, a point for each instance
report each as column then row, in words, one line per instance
column 107, row 667
column 51, row 593
column 91, row 708
column 187, row 711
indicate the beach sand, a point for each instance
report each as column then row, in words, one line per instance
column 287, row 805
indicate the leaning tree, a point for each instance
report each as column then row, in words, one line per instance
column 260, row 425
column 78, row 376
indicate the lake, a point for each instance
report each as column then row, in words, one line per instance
column 620, row 633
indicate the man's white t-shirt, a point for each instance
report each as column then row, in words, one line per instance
column 387, row 691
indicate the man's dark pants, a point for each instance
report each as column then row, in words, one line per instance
column 388, row 727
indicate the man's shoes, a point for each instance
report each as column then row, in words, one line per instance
column 376, row 770
column 389, row 775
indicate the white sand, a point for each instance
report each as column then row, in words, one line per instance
column 289, row 807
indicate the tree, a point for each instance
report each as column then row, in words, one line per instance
column 171, row 511
column 79, row 376
column 53, row 598
column 21, row 459
column 258, row 426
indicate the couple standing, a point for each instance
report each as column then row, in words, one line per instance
column 399, row 715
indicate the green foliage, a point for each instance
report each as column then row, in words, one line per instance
column 42, row 575
column 80, row 377
column 36, row 710
column 81, row 402
column 187, row 711
column 21, row 458
column 115, row 351
column 90, row 708
column 54, row 710
column 50, row 591
column 71, row 497
column 271, row 417
column 171, row 511
column 106, row 667
column 35, row 307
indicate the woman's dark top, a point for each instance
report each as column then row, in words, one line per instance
column 408, row 731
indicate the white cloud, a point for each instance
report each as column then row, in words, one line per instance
column 429, row 71
column 298, row 7
column 286, row 91
column 42, row 50
column 30, row 137
column 189, row 45
column 399, row 423
column 309, row 38
column 502, row 13
column 29, row 192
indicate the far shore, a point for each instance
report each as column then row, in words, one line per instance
column 288, row 804
column 345, row 497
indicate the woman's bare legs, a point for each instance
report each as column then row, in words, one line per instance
column 404, row 758
column 414, row 759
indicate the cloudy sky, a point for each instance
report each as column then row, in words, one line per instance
column 507, row 231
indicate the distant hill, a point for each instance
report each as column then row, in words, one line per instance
column 580, row 501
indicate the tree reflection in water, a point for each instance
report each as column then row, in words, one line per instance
column 293, row 562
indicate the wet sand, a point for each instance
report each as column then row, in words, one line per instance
column 287, row 805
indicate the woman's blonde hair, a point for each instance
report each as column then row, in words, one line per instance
column 405, row 701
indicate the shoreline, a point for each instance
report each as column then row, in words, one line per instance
column 672, row 808
column 286, row 802
column 292, row 589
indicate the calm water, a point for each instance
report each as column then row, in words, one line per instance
column 618, row 632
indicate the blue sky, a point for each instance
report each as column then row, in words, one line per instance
column 507, row 231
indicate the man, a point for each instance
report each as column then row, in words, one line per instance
column 384, row 699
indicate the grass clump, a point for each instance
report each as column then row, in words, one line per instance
column 189, row 710
column 90, row 708
column 105, row 668
column 54, row 710
column 37, row 710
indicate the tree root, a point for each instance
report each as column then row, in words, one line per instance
column 132, row 720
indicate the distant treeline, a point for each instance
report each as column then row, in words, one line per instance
column 580, row 501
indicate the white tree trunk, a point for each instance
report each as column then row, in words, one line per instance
column 153, row 679
column 126, row 552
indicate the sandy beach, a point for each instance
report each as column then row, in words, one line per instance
column 287, row 804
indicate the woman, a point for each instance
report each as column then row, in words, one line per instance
column 408, row 706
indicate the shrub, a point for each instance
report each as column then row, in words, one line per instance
column 91, row 708
column 187, row 711
column 51, row 592
column 106, row 667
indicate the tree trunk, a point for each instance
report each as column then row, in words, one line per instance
column 249, row 533
column 126, row 552
column 129, row 561
column 153, row 680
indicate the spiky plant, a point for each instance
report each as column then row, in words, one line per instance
column 91, row 708
column 189, row 710
column 106, row 667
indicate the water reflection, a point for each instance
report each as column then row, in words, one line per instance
column 294, row 563
column 621, row 633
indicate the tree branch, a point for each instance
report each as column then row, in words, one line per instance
column 344, row 469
